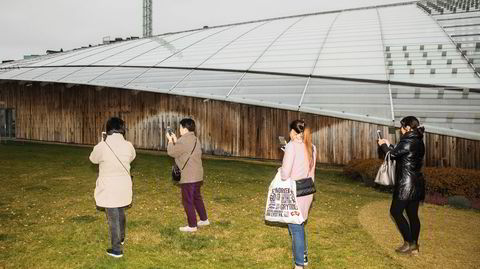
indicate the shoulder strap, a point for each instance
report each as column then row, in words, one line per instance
column 117, row 158
column 190, row 153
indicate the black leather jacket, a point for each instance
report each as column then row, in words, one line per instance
column 408, row 154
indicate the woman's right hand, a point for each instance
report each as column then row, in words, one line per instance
column 383, row 141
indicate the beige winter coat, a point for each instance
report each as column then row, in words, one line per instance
column 193, row 171
column 114, row 184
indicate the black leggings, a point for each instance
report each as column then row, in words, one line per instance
column 410, row 230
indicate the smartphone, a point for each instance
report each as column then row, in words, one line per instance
column 104, row 135
column 169, row 130
column 379, row 134
column 283, row 142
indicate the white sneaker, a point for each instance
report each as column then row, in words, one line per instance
column 188, row 229
column 203, row 223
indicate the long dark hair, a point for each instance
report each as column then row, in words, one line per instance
column 414, row 124
column 300, row 128
column 115, row 125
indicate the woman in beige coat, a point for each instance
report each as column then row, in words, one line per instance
column 113, row 190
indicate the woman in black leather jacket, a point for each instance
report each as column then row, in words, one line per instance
column 409, row 188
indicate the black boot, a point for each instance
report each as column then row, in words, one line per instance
column 404, row 249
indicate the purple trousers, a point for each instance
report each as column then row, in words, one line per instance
column 192, row 200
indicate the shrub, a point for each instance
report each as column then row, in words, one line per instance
column 443, row 181
column 362, row 169
column 453, row 181
column 351, row 170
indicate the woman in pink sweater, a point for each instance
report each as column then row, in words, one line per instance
column 298, row 163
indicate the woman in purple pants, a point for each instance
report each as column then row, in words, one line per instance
column 187, row 152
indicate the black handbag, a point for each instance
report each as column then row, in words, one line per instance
column 305, row 186
column 176, row 171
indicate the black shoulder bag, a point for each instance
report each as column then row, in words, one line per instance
column 176, row 172
column 305, row 186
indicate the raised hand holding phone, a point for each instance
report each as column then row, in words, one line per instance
column 171, row 135
column 283, row 142
column 381, row 140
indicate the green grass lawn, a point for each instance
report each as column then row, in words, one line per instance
column 48, row 219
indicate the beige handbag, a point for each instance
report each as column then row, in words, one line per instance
column 386, row 173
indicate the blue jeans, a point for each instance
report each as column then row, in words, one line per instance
column 299, row 243
column 116, row 222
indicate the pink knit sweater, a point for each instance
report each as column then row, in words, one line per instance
column 295, row 166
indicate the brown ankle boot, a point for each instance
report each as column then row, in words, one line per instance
column 404, row 249
column 414, row 248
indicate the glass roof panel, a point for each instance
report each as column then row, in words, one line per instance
column 358, row 43
column 117, row 77
column 126, row 55
column 84, row 75
column 284, row 91
column 155, row 42
column 362, row 100
column 419, row 50
column 58, row 73
column 12, row 73
column 297, row 50
column 443, row 109
column 173, row 47
column 210, row 84
column 30, row 61
column 34, row 73
column 243, row 52
column 76, row 55
column 158, row 79
column 201, row 51
column 97, row 57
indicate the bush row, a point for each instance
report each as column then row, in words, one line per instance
column 439, row 181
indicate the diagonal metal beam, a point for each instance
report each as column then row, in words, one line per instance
column 261, row 55
column 316, row 59
column 387, row 73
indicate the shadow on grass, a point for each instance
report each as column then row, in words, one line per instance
column 224, row 199
column 4, row 216
column 223, row 223
column 83, row 219
column 37, row 188
column 138, row 223
column 186, row 241
column 195, row 242
column 6, row 237
column 276, row 224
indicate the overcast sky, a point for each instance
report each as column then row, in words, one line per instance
column 33, row 26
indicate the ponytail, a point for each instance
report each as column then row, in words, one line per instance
column 306, row 133
column 420, row 130
column 307, row 140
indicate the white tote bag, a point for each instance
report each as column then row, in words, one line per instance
column 282, row 202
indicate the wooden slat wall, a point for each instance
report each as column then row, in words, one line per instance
column 78, row 114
